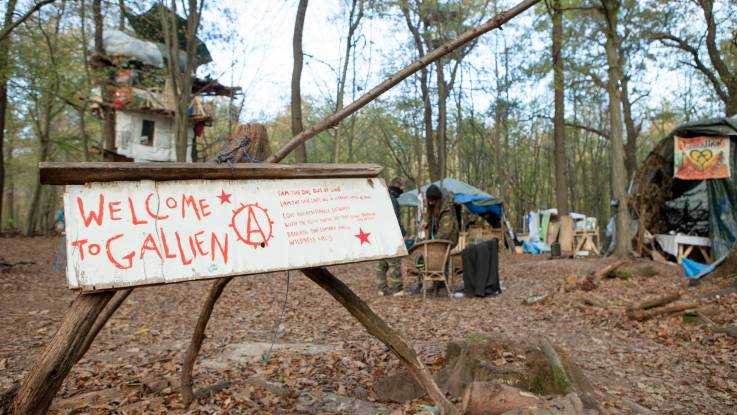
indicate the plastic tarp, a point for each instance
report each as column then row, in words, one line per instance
column 117, row 43
column 534, row 231
column 722, row 195
column 695, row 270
column 535, row 247
column 476, row 200
column 148, row 25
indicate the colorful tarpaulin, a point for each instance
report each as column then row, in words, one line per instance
column 701, row 158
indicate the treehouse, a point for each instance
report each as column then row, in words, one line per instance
column 140, row 95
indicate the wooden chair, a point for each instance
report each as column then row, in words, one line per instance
column 435, row 255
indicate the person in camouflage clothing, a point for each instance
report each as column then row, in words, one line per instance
column 388, row 271
column 441, row 218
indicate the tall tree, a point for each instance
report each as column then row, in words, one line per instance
column 610, row 10
column 299, row 23
column 354, row 20
column 108, row 114
column 181, row 75
column 566, row 236
column 4, row 69
column 414, row 28
column 8, row 26
column 45, row 85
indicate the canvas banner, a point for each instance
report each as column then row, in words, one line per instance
column 122, row 234
column 700, row 158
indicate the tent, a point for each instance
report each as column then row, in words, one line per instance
column 666, row 204
column 476, row 200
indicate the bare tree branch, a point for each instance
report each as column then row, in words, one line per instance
column 673, row 41
column 36, row 7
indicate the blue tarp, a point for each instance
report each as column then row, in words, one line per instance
column 696, row 270
column 535, row 247
column 475, row 200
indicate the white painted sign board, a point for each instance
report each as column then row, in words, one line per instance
column 122, row 234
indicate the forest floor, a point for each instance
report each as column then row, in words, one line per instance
column 324, row 358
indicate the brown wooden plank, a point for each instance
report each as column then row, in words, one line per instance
column 81, row 173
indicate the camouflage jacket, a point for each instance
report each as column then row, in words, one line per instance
column 447, row 226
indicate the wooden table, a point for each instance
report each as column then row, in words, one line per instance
column 681, row 246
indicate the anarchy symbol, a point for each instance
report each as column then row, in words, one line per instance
column 252, row 225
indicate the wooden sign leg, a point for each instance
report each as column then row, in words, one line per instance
column 46, row 376
column 197, row 337
column 378, row 328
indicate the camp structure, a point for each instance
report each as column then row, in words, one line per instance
column 541, row 229
column 139, row 90
column 488, row 208
column 685, row 196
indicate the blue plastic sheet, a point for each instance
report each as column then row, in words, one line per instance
column 696, row 270
column 535, row 247
column 723, row 213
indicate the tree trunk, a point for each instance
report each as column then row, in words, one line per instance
column 618, row 176
column 432, row 160
column 354, row 19
column 442, row 119
column 633, row 131
column 121, row 17
column 108, row 114
column 297, row 127
column 46, row 376
column 181, row 78
column 11, row 217
column 567, row 233
column 4, row 69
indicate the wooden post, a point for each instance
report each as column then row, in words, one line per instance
column 46, row 376
column 379, row 329
column 197, row 337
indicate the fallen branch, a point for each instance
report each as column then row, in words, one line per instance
column 655, row 302
column 641, row 315
column 604, row 272
column 730, row 331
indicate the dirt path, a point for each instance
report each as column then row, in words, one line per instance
column 663, row 364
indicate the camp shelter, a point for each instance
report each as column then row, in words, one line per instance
column 477, row 202
column 681, row 213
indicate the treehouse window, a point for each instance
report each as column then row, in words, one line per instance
column 147, row 133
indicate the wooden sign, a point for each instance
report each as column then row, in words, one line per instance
column 130, row 233
column 700, row 158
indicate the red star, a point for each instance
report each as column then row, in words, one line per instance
column 363, row 236
column 224, row 197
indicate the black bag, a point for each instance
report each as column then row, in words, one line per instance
column 481, row 269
